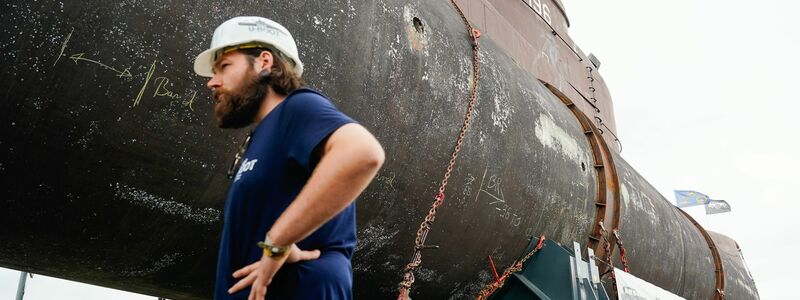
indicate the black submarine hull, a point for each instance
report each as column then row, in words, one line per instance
column 113, row 172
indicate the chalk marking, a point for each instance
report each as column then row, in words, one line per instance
column 144, row 86
column 79, row 56
column 387, row 180
column 468, row 185
column 163, row 91
column 64, row 46
column 160, row 82
column 494, row 183
column 191, row 101
column 480, row 187
column 506, row 211
column 495, row 197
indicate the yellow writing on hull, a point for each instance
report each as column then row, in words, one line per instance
column 162, row 90
column 144, row 86
column 79, row 57
column 163, row 84
column 64, row 46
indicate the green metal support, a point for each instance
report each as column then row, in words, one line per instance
column 555, row 272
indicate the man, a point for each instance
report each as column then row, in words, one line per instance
column 289, row 228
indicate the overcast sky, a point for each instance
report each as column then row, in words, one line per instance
column 705, row 99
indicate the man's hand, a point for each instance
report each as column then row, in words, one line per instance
column 259, row 274
column 296, row 255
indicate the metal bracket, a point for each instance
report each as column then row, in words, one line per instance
column 585, row 276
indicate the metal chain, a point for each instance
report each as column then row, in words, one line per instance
column 489, row 289
column 607, row 248
column 621, row 251
column 425, row 226
column 608, row 260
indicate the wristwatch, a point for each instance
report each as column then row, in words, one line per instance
column 273, row 251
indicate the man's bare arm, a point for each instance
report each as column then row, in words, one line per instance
column 349, row 161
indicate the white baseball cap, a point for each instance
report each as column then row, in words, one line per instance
column 248, row 32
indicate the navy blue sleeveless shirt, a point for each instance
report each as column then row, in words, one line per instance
column 275, row 167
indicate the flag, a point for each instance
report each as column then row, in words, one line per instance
column 717, row 207
column 690, row 198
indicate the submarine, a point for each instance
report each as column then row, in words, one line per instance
column 114, row 174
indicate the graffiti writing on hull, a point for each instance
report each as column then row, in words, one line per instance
column 163, row 85
column 493, row 188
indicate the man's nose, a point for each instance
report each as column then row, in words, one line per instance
column 214, row 82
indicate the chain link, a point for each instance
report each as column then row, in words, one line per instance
column 608, row 260
column 621, row 251
column 425, row 226
column 489, row 289
column 607, row 248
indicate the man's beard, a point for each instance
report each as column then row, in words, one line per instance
column 237, row 109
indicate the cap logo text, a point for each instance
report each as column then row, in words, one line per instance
column 261, row 26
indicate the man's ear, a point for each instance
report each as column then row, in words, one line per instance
column 266, row 59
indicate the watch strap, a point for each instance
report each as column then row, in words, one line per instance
column 271, row 250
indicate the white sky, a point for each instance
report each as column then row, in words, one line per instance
column 704, row 95
column 47, row 288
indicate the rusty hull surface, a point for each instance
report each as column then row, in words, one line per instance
column 546, row 51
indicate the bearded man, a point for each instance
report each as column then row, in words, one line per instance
column 289, row 219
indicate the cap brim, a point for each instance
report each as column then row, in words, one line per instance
column 203, row 64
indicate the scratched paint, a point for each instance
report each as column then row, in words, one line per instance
column 94, row 130
column 144, row 199
column 554, row 137
column 641, row 201
column 501, row 115
column 626, row 197
column 163, row 262
column 371, row 239
column 374, row 237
